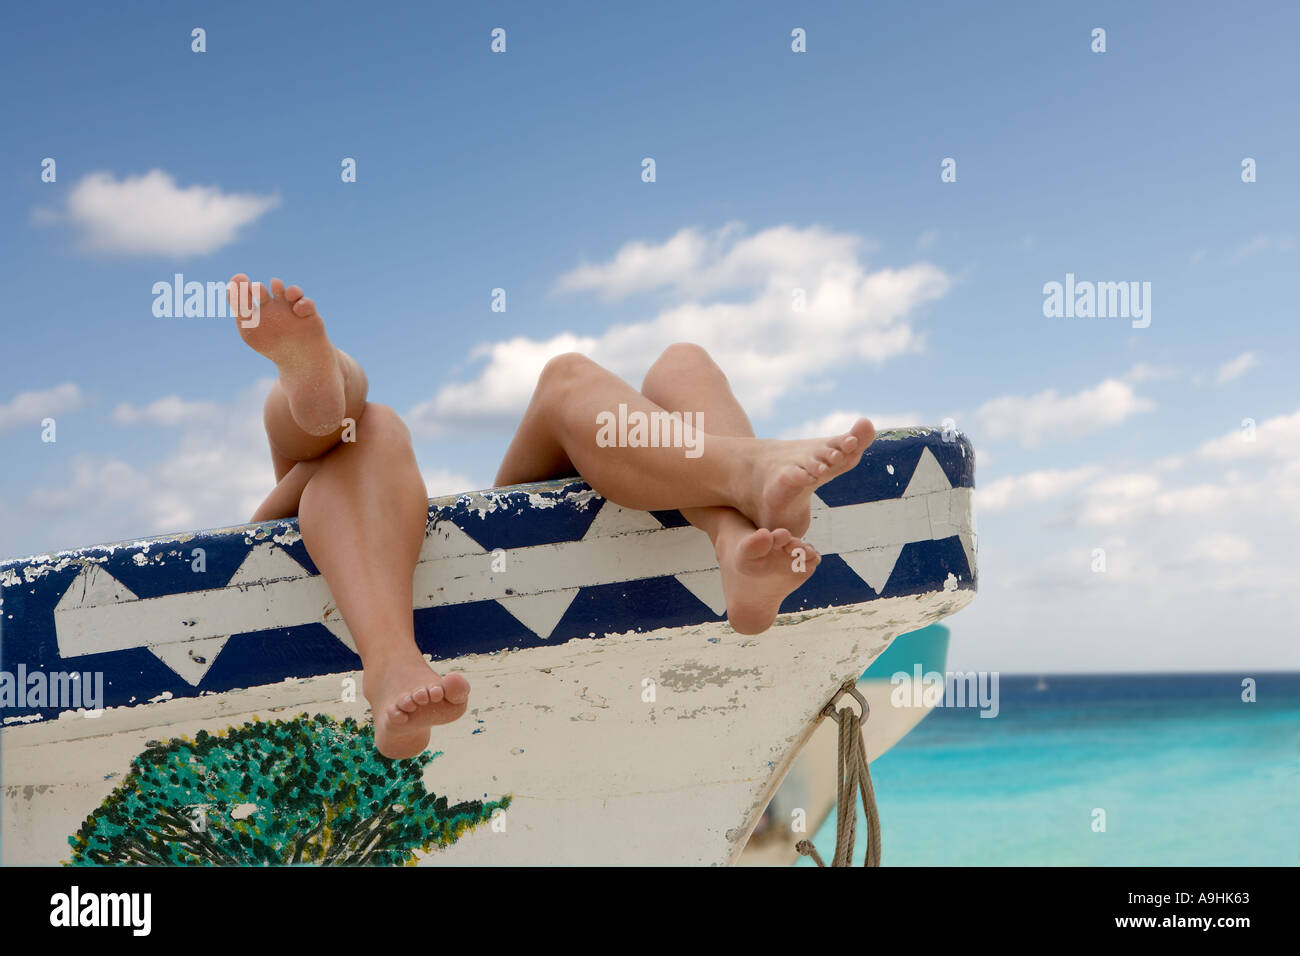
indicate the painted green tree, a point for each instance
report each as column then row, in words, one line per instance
column 310, row 790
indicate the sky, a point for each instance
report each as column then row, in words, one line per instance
column 923, row 171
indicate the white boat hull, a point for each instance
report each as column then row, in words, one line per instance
column 639, row 745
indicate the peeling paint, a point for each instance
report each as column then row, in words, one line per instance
column 23, row 719
column 695, row 676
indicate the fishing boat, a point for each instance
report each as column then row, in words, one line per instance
column 194, row 698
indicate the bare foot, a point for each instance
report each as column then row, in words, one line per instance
column 783, row 475
column 288, row 331
column 758, row 570
column 407, row 700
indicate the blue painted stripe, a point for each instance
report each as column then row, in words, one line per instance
column 135, row 675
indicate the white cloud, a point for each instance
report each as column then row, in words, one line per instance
column 689, row 256
column 170, row 411
column 215, row 474
column 838, row 422
column 1032, row 488
column 1190, row 555
column 1147, row 372
column 1093, row 498
column 29, row 408
column 502, row 389
column 1118, row 499
column 695, row 263
column 1261, row 243
column 1049, row 416
column 150, row 215
column 768, row 349
column 1223, row 547
column 1193, row 500
column 442, row 481
column 1235, row 368
column 1277, row 437
column 1129, row 498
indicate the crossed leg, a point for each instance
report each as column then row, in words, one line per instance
column 361, row 504
column 751, row 496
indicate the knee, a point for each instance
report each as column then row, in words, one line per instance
column 688, row 354
column 683, row 358
column 563, row 370
column 382, row 426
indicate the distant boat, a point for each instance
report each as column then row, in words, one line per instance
column 615, row 718
column 1041, row 685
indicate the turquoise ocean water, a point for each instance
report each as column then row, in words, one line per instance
column 1186, row 772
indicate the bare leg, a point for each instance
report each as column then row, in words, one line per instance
column 769, row 483
column 362, row 511
column 362, row 517
column 759, row 566
column 326, row 384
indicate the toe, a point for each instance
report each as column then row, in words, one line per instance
column 823, row 454
column 304, row 307
column 757, row 543
column 860, row 435
column 406, row 703
column 456, row 687
column 797, row 476
column 808, row 552
column 436, row 693
column 293, row 294
column 237, row 282
column 421, row 695
column 277, row 288
column 781, row 537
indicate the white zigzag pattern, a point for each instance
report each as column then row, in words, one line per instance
column 187, row 631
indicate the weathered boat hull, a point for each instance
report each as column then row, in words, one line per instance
column 615, row 717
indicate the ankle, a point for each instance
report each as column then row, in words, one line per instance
column 734, row 462
column 382, row 667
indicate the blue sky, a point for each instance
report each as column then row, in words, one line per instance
column 821, row 170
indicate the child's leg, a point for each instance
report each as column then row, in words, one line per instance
column 362, row 516
column 362, row 511
column 759, row 566
column 323, row 384
column 769, row 483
